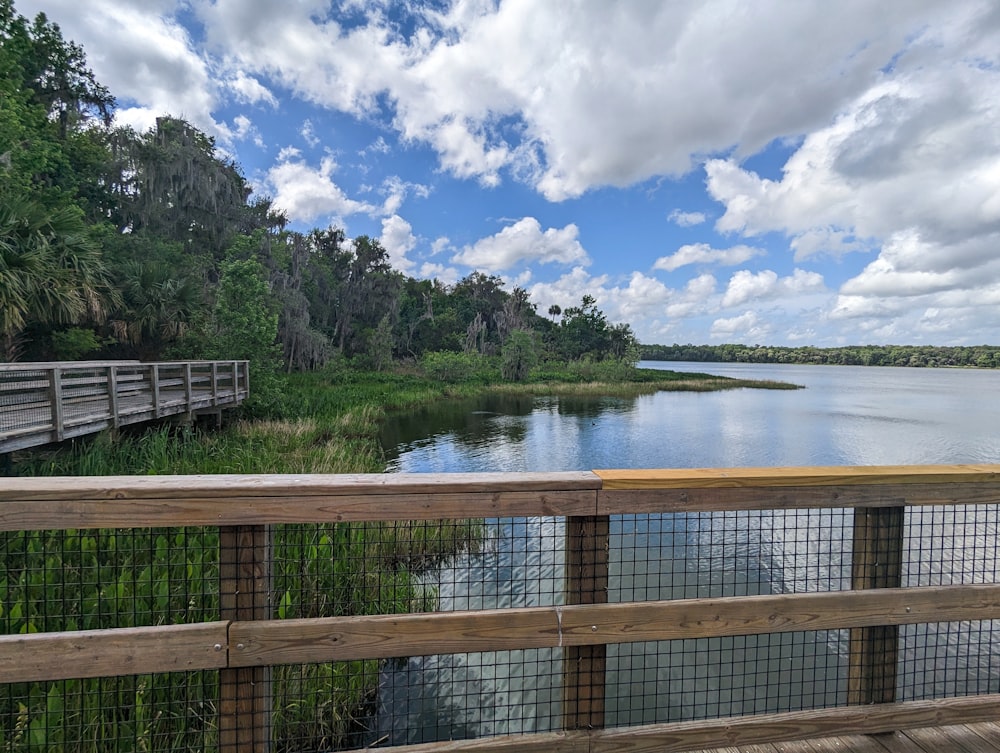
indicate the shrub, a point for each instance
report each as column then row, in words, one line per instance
column 446, row 366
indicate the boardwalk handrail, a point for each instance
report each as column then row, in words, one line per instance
column 247, row 639
column 53, row 401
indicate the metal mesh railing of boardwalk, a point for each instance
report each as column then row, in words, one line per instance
column 572, row 611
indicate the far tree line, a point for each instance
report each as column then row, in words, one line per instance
column 981, row 356
column 121, row 244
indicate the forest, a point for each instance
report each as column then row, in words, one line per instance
column 119, row 244
column 980, row 356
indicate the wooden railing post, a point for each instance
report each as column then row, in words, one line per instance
column 55, row 397
column 188, row 389
column 154, row 375
column 586, row 583
column 245, row 554
column 113, row 396
column 876, row 563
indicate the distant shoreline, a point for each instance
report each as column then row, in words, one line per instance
column 919, row 356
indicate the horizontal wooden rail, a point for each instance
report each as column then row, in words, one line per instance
column 107, row 653
column 113, row 501
column 215, row 645
column 840, row 475
column 793, row 725
column 346, row 638
column 109, row 502
column 682, row 737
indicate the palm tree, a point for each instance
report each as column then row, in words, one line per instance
column 51, row 272
column 158, row 305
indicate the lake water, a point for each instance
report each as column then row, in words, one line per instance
column 844, row 416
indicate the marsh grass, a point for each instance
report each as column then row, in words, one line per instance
column 632, row 389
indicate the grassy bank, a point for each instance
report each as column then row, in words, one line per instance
column 54, row 580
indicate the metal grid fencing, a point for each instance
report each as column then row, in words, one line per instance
column 724, row 554
column 944, row 546
column 24, row 400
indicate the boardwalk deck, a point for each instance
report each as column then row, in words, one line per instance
column 50, row 402
column 982, row 737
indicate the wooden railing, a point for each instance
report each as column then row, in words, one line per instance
column 245, row 642
column 50, row 402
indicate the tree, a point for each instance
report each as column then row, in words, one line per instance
column 49, row 100
column 380, row 344
column 54, row 70
column 479, row 301
column 369, row 292
column 583, row 331
column 51, row 272
column 159, row 303
column 244, row 326
column 519, row 355
column 171, row 183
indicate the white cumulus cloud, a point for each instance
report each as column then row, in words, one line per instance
column 398, row 240
column 687, row 219
column 306, row 193
column 702, row 253
column 524, row 242
column 747, row 286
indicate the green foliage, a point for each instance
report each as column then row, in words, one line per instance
column 245, row 327
column 584, row 332
column 455, row 368
column 380, row 345
column 172, row 184
column 518, row 356
column 74, row 343
column 51, row 272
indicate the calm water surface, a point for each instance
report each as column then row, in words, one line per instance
column 844, row 416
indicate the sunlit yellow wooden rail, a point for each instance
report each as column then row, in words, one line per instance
column 49, row 402
column 248, row 640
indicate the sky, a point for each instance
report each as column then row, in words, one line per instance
column 781, row 172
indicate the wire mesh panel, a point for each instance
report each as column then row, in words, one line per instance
column 128, row 714
column 720, row 554
column 952, row 545
column 682, row 680
column 107, row 578
column 330, row 570
column 85, row 394
column 110, row 578
column 467, row 696
column 957, row 544
column 24, row 400
column 417, row 566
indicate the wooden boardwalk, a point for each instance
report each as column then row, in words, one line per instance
column 983, row 737
column 50, row 402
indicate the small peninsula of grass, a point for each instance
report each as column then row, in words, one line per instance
column 639, row 382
